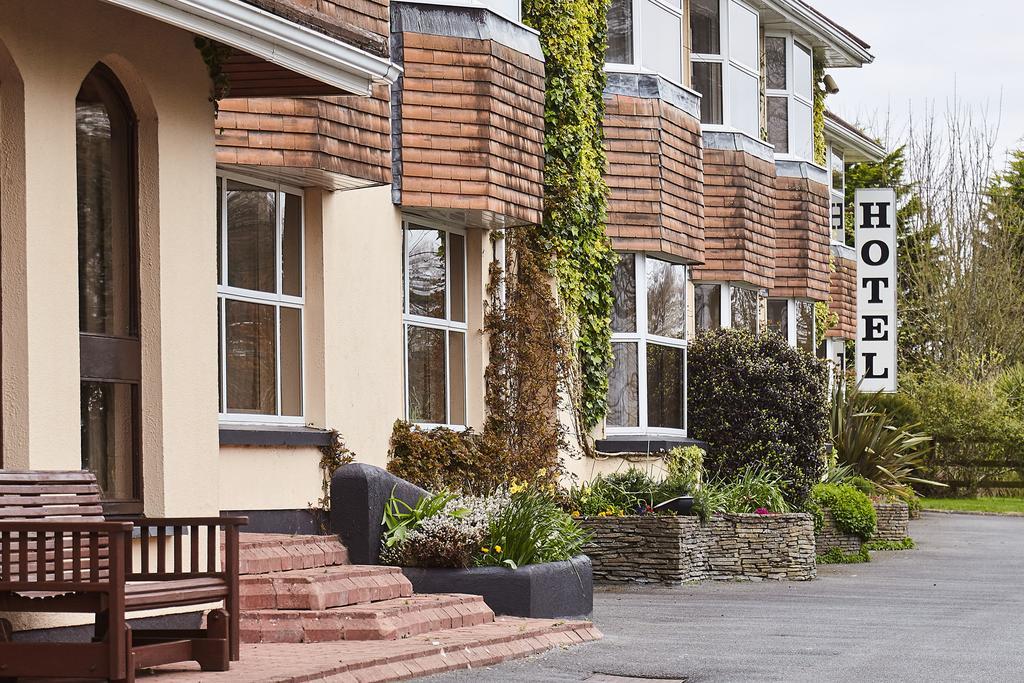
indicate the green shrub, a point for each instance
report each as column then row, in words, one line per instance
column 751, row 490
column 685, row 467
column 837, row 556
column 904, row 544
column 531, row 529
column 851, row 508
column 865, row 440
column 758, row 401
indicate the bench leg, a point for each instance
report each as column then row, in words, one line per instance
column 129, row 671
column 213, row 652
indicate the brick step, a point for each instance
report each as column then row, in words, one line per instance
column 393, row 660
column 262, row 553
column 322, row 588
column 386, row 620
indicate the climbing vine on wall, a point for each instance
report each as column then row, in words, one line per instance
column 573, row 36
column 214, row 55
column 820, row 150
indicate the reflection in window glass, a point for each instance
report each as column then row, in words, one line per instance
column 291, row 247
column 707, row 303
column 457, row 377
column 707, row 80
column 705, row 27
column 620, row 32
column 778, row 317
column 426, row 369
column 778, row 124
column 666, row 400
column 624, row 387
column 426, row 277
column 838, row 170
column 801, row 144
column 251, row 358
column 457, row 264
column 805, row 326
column 252, row 237
column 744, row 309
column 775, row 62
column 108, row 429
column 666, row 298
column 291, row 361
column 624, row 292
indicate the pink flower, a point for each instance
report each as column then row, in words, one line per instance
column 762, row 511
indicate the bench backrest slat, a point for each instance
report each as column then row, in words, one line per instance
column 65, row 496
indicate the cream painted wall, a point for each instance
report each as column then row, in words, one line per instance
column 363, row 348
column 259, row 478
column 54, row 45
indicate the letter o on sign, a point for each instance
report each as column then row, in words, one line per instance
column 883, row 253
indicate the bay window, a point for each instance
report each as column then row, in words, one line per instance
column 707, row 306
column 647, row 383
column 718, row 305
column 435, row 326
column 789, row 89
column 793, row 319
column 746, row 309
column 648, row 35
column 260, row 300
column 724, row 63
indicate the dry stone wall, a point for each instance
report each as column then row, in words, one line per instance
column 830, row 536
column 673, row 550
column 892, row 521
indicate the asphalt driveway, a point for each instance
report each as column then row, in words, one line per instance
column 952, row 610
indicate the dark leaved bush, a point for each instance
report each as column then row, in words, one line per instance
column 758, row 402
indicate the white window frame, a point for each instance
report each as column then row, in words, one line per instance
column 637, row 35
column 640, row 336
column 276, row 299
column 791, row 315
column 726, row 60
column 726, row 302
column 791, row 95
column 446, row 324
column 838, row 233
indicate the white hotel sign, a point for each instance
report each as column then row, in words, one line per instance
column 875, row 224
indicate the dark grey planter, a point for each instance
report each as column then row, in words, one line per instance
column 546, row 591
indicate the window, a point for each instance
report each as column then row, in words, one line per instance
column 260, row 284
column 707, row 306
column 649, row 29
column 647, row 383
column 435, row 326
column 794, row 320
column 108, row 289
column 789, row 91
column 837, row 171
column 745, row 308
column 725, row 64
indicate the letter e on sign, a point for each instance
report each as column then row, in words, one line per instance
column 875, row 225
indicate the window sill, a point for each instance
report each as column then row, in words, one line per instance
column 639, row 444
column 273, row 435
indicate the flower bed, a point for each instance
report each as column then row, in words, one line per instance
column 671, row 550
column 892, row 521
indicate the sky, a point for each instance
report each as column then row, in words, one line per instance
column 925, row 52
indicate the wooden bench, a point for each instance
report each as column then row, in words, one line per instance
column 59, row 554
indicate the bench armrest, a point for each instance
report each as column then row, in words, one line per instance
column 187, row 521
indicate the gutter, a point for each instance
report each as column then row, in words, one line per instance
column 274, row 39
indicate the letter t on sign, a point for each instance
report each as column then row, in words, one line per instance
column 875, row 222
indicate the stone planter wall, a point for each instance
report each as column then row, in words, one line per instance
column 892, row 521
column 831, row 537
column 761, row 547
column 672, row 550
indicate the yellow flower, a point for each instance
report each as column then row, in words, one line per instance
column 485, row 550
column 497, row 548
column 575, row 513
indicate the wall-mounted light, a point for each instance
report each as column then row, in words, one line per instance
column 830, row 84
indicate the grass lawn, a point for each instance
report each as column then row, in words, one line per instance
column 975, row 504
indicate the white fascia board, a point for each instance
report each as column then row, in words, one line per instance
column 274, row 39
column 863, row 149
column 823, row 31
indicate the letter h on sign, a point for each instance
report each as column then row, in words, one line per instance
column 875, row 224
